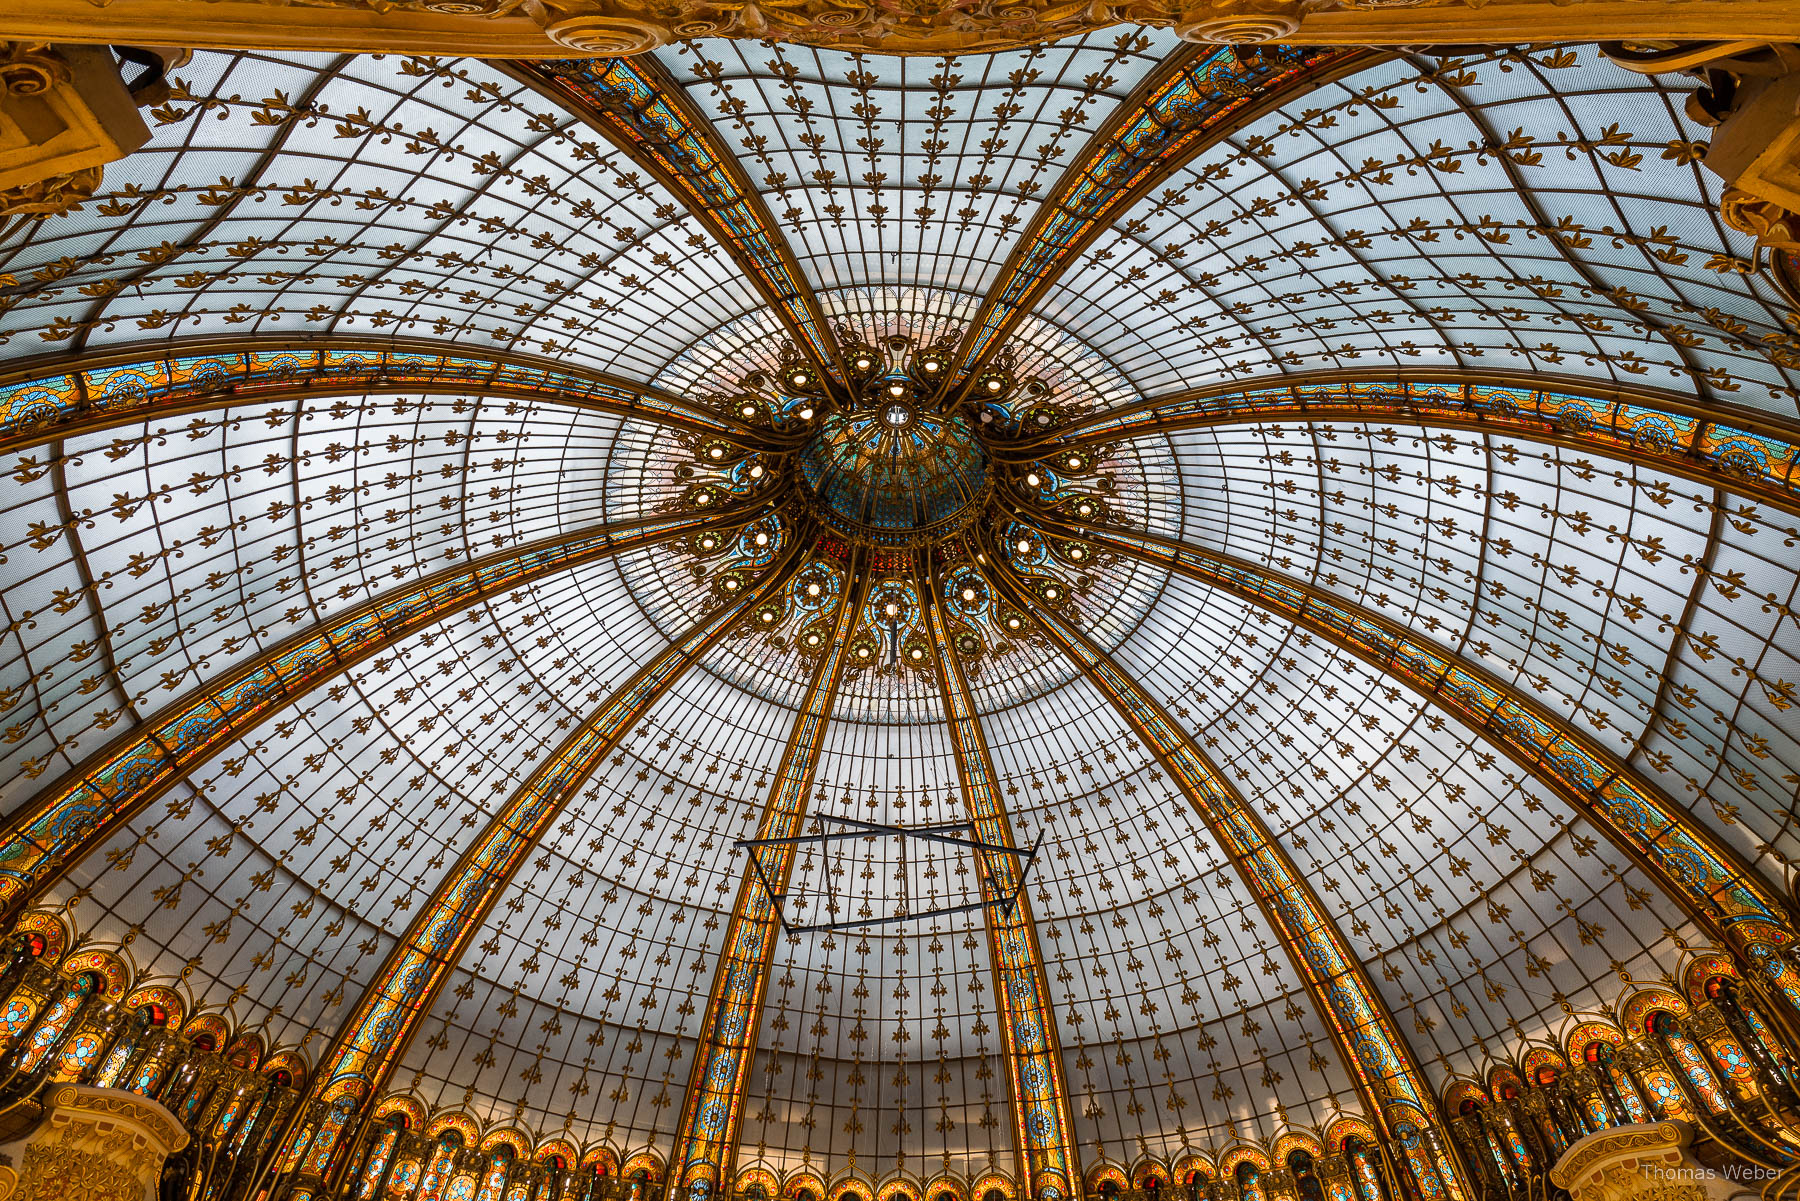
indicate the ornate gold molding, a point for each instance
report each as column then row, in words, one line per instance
column 1647, row 1162
column 65, row 112
column 558, row 28
column 96, row 1144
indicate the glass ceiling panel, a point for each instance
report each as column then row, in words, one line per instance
column 909, row 172
column 312, row 195
column 1380, row 221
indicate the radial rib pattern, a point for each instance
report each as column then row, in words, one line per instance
column 44, row 400
column 1692, row 867
column 1753, row 454
column 1177, row 112
column 72, row 817
column 1374, row 1051
column 1040, row 1094
column 712, row 1111
column 375, row 1034
column 642, row 111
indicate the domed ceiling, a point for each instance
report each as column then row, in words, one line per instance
column 1230, row 527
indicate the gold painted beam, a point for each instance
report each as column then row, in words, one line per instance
column 43, row 399
column 712, row 1110
column 1737, row 449
column 373, row 1038
column 503, row 29
column 1196, row 97
column 1380, row 1062
column 45, row 838
column 1043, row 1133
column 1721, row 892
column 640, row 108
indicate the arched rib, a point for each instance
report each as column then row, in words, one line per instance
column 1042, row 1129
column 1723, row 894
column 1740, row 450
column 1186, row 105
column 48, row 836
column 712, row 1109
column 1374, row 1052
column 637, row 106
column 49, row 398
column 375, row 1035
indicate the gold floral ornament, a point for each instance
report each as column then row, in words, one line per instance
column 903, row 26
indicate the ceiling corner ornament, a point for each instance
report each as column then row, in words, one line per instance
column 65, row 112
column 1043, row 1131
column 642, row 110
column 1388, row 1077
column 63, row 824
column 1750, row 98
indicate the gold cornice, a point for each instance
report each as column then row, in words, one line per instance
column 421, row 27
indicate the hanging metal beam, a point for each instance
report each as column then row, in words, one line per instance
column 1750, row 452
column 50, row 835
column 373, row 1038
column 44, row 399
column 1380, row 1062
column 712, row 1111
column 1721, row 892
column 1049, row 1167
column 1186, row 105
column 637, row 106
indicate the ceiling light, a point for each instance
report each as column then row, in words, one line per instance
column 717, row 452
column 968, row 594
column 806, row 413
column 813, row 590
column 756, row 472
column 761, row 538
column 917, row 653
column 1033, row 479
column 748, row 410
column 1023, row 546
column 1085, row 509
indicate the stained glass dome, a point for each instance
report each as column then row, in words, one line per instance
column 501, row 620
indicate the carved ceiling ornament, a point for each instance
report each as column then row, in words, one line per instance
column 96, row 1145
column 915, row 26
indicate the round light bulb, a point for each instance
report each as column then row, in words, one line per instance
column 1012, row 623
column 968, row 594
column 862, row 652
column 768, row 615
column 813, row 590
column 891, row 609
column 812, row 640
column 756, row 472
column 748, row 410
column 717, row 452
column 1085, row 509
column 799, row 379
column 896, row 389
column 932, row 364
column 1074, row 463
column 1033, row 479
column 917, row 653
column 707, row 543
column 1022, row 546
column 762, row 539
column 863, row 364
column 994, row 385
column 1077, row 553
column 806, row 413
column 1052, row 593
column 731, row 585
